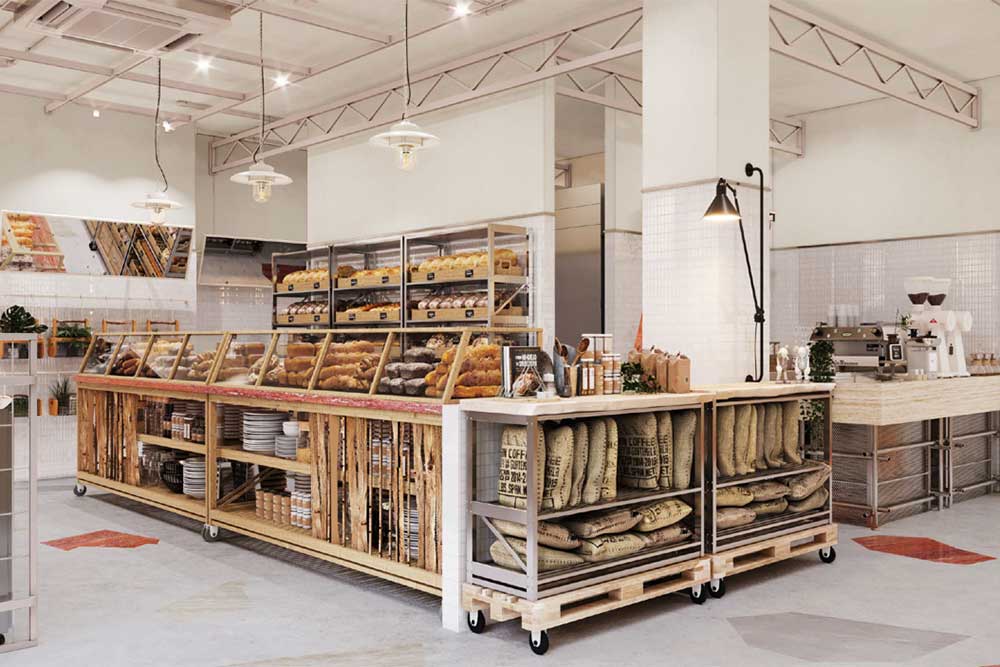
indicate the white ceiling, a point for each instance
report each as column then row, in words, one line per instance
column 957, row 36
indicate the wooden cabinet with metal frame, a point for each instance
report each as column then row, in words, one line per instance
column 549, row 596
column 773, row 537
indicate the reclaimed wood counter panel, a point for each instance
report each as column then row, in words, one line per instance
column 898, row 402
column 533, row 407
column 750, row 390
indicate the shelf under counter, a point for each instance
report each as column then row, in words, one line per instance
column 172, row 443
column 231, row 453
column 155, row 496
column 495, row 510
column 770, row 473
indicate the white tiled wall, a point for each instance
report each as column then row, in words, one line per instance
column 695, row 291
column 806, row 281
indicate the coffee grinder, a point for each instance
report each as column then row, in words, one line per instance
column 925, row 340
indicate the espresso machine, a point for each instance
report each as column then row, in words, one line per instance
column 862, row 349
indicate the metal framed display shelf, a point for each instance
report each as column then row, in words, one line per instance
column 545, row 586
column 903, row 448
column 767, row 531
column 301, row 296
column 369, row 284
column 19, row 503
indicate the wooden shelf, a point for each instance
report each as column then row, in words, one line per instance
column 172, row 443
column 234, row 454
column 156, row 496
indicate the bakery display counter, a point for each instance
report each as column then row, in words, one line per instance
column 905, row 447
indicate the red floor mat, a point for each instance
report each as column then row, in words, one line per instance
column 922, row 548
column 108, row 539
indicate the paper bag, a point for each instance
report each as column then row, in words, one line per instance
column 679, row 375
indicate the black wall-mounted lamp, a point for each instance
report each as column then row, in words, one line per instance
column 723, row 210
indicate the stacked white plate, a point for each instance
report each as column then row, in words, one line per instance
column 194, row 476
column 298, row 482
column 286, row 446
column 260, row 429
column 412, row 522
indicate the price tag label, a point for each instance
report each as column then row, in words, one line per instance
column 431, row 314
column 316, row 285
column 469, row 273
column 383, row 315
column 385, row 280
column 316, row 318
column 354, row 282
column 430, row 276
column 470, row 313
column 352, row 316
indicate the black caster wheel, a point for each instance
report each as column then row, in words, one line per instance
column 717, row 588
column 539, row 642
column 699, row 594
column 477, row 621
column 79, row 490
column 3, row 640
column 828, row 555
column 210, row 533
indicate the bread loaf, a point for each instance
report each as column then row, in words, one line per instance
column 301, row 350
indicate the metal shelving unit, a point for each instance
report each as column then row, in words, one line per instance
column 19, row 509
column 311, row 258
column 349, row 291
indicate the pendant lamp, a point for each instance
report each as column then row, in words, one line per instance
column 405, row 137
column 158, row 203
column 261, row 176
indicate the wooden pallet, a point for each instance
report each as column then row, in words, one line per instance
column 586, row 602
column 766, row 552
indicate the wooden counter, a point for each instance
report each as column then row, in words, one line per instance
column 554, row 407
column 883, row 403
column 739, row 390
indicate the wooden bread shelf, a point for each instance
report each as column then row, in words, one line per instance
column 461, row 314
column 155, row 496
column 306, row 287
column 382, row 281
column 461, row 274
column 386, row 316
column 302, row 319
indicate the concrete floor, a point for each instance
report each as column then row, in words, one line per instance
column 241, row 603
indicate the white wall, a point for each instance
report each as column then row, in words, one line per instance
column 495, row 160
column 623, row 172
column 884, row 170
column 69, row 162
column 227, row 209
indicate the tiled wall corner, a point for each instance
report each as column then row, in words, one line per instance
column 622, row 287
column 696, row 294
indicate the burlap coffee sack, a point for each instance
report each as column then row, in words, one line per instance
column 661, row 514
column 768, row 490
column 815, row 501
column 725, row 438
column 806, row 484
column 772, row 435
column 730, row 517
column 581, row 452
column 790, row 432
column 685, row 423
column 512, row 484
column 558, row 467
column 751, row 457
column 733, row 496
column 549, row 534
column 665, row 439
column 769, row 507
column 666, row 536
column 602, row 523
column 761, row 461
column 609, row 489
column 638, row 451
column 596, row 460
column 548, row 559
column 742, row 440
column 607, row 547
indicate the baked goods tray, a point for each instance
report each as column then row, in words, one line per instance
column 453, row 275
column 461, row 314
column 368, row 281
column 302, row 319
column 303, row 287
column 369, row 316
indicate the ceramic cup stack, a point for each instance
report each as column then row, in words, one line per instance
column 194, row 476
column 260, row 430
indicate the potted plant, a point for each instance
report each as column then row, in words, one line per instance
column 59, row 396
column 814, row 412
column 78, row 338
column 18, row 320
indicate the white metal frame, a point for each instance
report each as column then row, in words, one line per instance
column 878, row 68
column 29, row 380
column 788, row 136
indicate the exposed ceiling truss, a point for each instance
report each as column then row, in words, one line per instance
column 787, row 136
column 544, row 56
column 822, row 44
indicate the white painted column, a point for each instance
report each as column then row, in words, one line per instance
column 705, row 114
column 454, row 517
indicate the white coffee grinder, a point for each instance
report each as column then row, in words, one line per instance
column 923, row 359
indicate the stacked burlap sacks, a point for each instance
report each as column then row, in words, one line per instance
column 756, row 437
column 743, row 504
column 595, row 537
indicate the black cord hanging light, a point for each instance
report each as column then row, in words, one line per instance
column 405, row 137
column 158, row 203
column 260, row 176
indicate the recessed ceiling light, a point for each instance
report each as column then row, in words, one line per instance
column 281, row 80
column 204, row 64
column 461, row 9
column 167, row 127
column 96, row 113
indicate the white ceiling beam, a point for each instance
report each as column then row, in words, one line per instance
column 219, row 108
column 251, row 59
column 787, row 136
column 95, row 104
column 77, row 66
column 598, row 99
column 941, row 94
column 316, row 21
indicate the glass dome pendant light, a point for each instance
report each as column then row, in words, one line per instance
column 158, row 203
column 405, row 137
column 261, row 176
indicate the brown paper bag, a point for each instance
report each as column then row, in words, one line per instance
column 679, row 375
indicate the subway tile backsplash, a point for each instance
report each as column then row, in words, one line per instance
column 806, row 281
